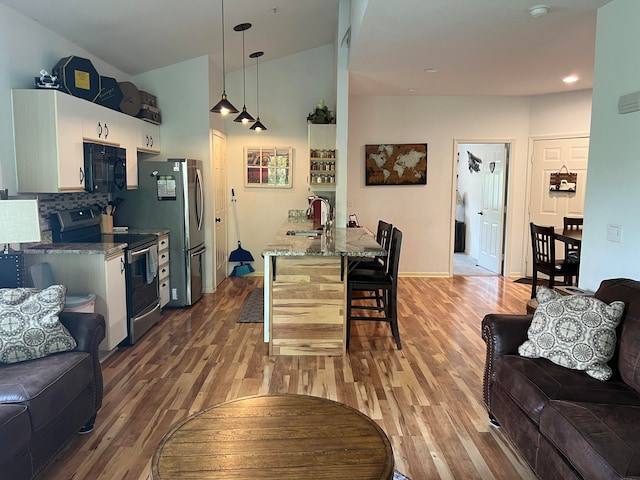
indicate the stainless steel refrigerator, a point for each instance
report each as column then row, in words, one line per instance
column 171, row 195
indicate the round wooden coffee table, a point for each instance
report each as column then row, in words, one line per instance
column 275, row 436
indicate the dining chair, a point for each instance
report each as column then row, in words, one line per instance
column 543, row 243
column 572, row 251
column 379, row 286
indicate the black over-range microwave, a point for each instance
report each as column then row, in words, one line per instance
column 105, row 168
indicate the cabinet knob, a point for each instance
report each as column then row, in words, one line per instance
column 106, row 130
column 99, row 129
column 218, row 219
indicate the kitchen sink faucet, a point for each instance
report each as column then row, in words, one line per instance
column 329, row 208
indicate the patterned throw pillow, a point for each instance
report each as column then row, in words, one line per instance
column 29, row 325
column 574, row 331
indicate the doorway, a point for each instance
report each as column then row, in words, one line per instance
column 481, row 173
column 546, row 207
column 219, row 145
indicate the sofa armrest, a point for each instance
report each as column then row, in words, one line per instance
column 88, row 329
column 503, row 334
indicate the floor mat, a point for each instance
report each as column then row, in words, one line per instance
column 253, row 310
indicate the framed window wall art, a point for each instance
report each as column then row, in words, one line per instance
column 270, row 167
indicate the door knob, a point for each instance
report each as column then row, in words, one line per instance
column 480, row 213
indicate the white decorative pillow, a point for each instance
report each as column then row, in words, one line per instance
column 574, row 331
column 29, row 324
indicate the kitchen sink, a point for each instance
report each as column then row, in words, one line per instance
column 305, row 233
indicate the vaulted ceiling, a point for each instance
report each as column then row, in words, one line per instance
column 398, row 47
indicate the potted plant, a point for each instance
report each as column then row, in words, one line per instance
column 321, row 114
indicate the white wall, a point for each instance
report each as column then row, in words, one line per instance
column 289, row 88
column 612, row 194
column 424, row 213
column 25, row 49
column 561, row 113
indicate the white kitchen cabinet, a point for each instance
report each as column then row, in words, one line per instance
column 148, row 138
column 101, row 274
column 322, row 157
column 104, row 125
column 163, row 269
column 116, row 299
column 47, row 129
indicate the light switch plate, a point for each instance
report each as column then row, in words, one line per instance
column 614, row 233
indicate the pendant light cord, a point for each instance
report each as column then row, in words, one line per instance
column 224, row 80
column 244, row 75
column 257, row 89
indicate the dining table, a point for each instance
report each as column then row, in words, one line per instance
column 283, row 436
column 573, row 237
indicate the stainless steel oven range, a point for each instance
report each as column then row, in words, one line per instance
column 141, row 268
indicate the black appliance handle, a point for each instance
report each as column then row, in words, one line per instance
column 198, row 252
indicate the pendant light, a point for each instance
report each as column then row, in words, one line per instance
column 257, row 126
column 244, row 116
column 224, row 106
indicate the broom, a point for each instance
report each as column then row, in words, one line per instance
column 239, row 254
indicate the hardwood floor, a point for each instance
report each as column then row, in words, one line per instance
column 427, row 397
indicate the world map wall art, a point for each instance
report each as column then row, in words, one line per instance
column 396, row 164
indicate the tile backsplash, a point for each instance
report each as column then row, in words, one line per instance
column 53, row 202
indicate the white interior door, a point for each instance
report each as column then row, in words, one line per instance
column 492, row 210
column 220, row 202
column 547, row 207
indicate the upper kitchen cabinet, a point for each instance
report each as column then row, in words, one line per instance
column 107, row 126
column 47, row 130
column 322, row 157
column 149, row 138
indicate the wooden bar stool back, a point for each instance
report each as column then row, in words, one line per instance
column 378, row 287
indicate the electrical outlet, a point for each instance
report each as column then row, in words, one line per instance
column 614, row 233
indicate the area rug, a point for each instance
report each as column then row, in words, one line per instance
column 253, row 309
column 525, row 280
column 398, row 476
column 544, row 281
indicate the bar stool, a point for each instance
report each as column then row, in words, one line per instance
column 383, row 235
column 382, row 286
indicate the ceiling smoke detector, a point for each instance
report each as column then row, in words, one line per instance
column 539, row 10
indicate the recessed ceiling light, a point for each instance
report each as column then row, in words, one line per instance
column 431, row 70
column 412, row 90
column 570, row 79
column 539, row 10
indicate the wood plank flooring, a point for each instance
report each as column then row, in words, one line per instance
column 427, row 397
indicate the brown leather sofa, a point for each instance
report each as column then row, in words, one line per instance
column 566, row 424
column 45, row 402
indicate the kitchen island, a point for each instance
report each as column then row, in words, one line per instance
column 305, row 273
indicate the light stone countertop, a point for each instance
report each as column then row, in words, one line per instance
column 352, row 242
column 104, row 248
column 151, row 231
column 76, row 248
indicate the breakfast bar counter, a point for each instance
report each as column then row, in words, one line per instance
column 305, row 286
